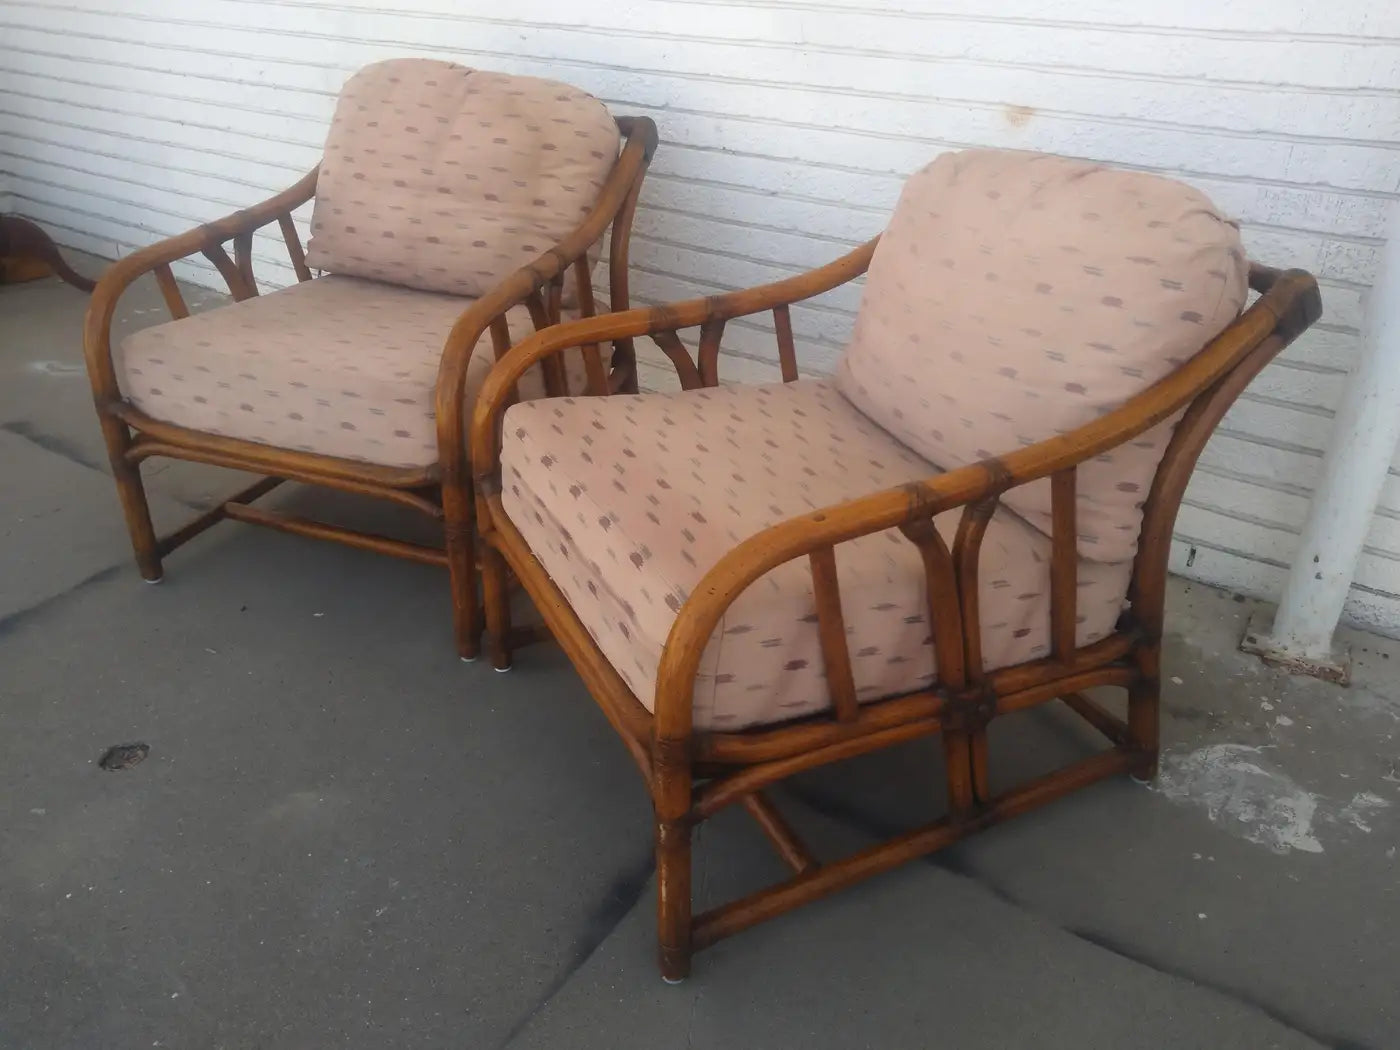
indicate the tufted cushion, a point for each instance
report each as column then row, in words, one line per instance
column 448, row 179
column 1016, row 296
column 628, row 501
column 338, row 365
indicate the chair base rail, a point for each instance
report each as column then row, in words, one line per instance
column 238, row 507
column 814, row 881
column 319, row 530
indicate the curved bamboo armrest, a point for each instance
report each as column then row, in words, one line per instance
column 539, row 285
column 206, row 240
column 709, row 314
column 1289, row 304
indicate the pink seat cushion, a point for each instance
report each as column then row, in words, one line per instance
column 338, row 366
column 628, row 501
column 449, row 179
column 1016, row 296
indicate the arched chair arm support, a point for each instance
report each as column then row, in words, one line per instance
column 617, row 196
column 208, row 238
column 496, row 392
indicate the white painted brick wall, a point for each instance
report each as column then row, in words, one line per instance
column 787, row 129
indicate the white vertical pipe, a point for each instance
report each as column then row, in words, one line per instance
column 1363, row 440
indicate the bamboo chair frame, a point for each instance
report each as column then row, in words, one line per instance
column 442, row 491
column 692, row 774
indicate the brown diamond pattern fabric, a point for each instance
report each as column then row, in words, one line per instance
column 339, row 366
column 628, row 500
column 1016, row 296
column 448, row 179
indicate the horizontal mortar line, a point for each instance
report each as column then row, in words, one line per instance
column 1375, row 592
column 1360, row 239
column 173, row 169
column 48, row 122
column 127, row 223
column 1150, row 29
column 1285, row 488
column 994, row 105
column 221, row 103
column 1268, row 442
column 1321, row 411
column 1383, row 553
column 862, row 10
column 845, row 244
column 1342, row 283
column 667, row 176
column 225, row 208
column 753, row 191
column 1252, row 180
column 1220, row 548
column 184, row 100
column 999, row 106
column 155, row 117
column 1242, row 516
column 1278, row 485
column 114, row 62
column 1308, row 366
column 1249, row 180
column 651, row 35
column 68, row 33
column 786, row 122
column 108, row 176
column 724, row 254
column 716, row 253
column 1252, row 521
column 1337, row 329
column 797, row 88
column 181, row 217
column 859, row 6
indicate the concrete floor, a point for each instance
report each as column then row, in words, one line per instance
column 343, row 837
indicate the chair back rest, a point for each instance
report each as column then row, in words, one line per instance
column 1016, row 296
column 448, row 179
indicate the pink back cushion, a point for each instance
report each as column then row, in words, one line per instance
column 448, row 179
column 1016, row 296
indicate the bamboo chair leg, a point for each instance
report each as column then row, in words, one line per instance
column 673, row 925
column 135, row 508
column 1144, row 717
column 981, row 779
column 460, row 540
column 495, row 580
column 957, row 756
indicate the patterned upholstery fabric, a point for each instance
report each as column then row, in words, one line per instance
column 628, row 501
column 1016, row 296
column 448, row 179
column 338, row 365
